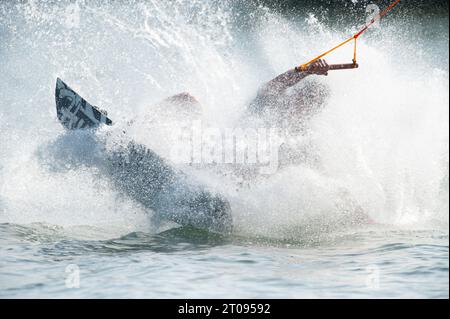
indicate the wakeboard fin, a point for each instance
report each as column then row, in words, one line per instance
column 74, row 112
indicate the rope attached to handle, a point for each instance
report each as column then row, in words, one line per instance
column 355, row 37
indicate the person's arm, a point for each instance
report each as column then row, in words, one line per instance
column 290, row 78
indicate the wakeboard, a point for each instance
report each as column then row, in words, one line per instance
column 74, row 112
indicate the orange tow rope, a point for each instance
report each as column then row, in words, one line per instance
column 355, row 37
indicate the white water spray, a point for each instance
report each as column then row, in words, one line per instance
column 382, row 138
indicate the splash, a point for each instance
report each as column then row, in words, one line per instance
column 382, row 138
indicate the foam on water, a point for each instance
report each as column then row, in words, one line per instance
column 382, row 138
